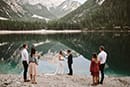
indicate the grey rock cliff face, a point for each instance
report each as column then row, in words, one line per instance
column 10, row 9
column 26, row 8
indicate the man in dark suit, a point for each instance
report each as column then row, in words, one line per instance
column 70, row 62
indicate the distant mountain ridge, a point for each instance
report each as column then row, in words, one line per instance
column 101, row 14
column 53, row 11
column 24, row 9
column 39, row 10
column 46, row 3
column 65, row 8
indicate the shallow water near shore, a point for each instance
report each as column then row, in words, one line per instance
column 117, row 45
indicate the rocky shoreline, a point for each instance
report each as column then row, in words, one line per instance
column 43, row 80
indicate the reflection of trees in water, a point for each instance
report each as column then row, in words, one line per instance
column 116, row 44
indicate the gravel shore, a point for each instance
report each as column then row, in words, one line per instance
column 44, row 80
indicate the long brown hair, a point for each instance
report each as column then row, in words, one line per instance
column 60, row 53
column 33, row 51
column 94, row 56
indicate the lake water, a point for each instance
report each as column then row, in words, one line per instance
column 117, row 45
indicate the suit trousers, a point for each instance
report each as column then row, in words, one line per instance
column 70, row 69
column 25, row 65
column 102, row 72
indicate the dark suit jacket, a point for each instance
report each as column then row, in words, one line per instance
column 70, row 59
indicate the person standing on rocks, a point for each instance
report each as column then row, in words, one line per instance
column 94, row 69
column 33, row 63
column 25, row 61
column 60, row 65
column 70, row 62
column 102, row 58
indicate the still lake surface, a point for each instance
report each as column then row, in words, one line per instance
column 117, row 45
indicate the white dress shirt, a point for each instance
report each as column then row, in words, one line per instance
column 24, row 55
column 102, row 57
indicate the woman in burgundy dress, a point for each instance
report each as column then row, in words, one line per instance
column 94, row 69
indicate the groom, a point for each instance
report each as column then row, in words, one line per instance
column 70, row 62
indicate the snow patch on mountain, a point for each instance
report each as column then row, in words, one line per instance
column 40, row 17
column 70, row 5
column 100, row 2
column 2, row 18
column 7, row 13
column 47, row 3
column 3, row 43
column 65, row 6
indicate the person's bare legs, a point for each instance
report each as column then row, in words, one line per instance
column 31, row 77
column 93, row 80
column 93, row 77
column 34, row 79
column 96, row 80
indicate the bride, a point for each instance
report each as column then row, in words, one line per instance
column 60, row 64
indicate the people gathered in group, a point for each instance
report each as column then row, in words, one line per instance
column 31, row 62
column 97, row 65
